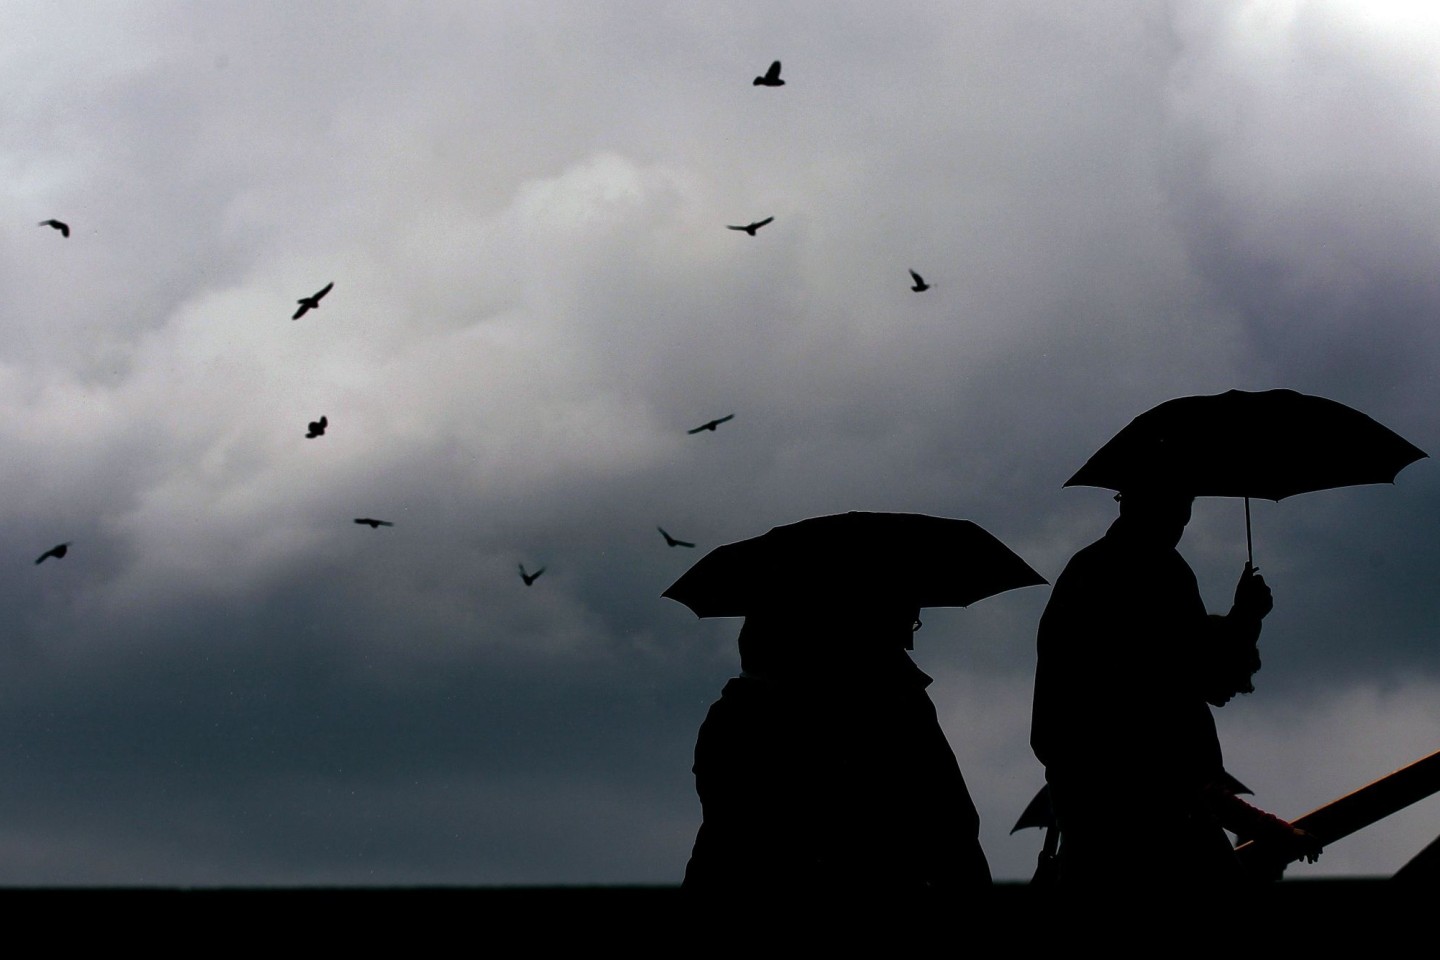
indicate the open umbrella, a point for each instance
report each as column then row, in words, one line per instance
column 1271, row 444
column 854, row 561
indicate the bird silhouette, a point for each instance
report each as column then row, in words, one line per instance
column 920, row 285
column 316, row 428
column 751, row 228
column 57, row 552
column 671, row 541
column 530, row 578
column 771, row 78
column 60, row 225
column 312, row 302
column 374, row 524
column 711, row 425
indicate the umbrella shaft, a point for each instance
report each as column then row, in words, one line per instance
column 1249, row 548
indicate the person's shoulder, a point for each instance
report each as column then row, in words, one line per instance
column 1174, row 564
column 737, row 686
column 749, row 693
column 1101, row 553
column 1104, row 547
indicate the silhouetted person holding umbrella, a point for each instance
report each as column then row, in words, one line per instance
column 822, row 768
column 823, row 765
column 1128, row 659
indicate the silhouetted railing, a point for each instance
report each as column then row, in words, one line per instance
column 1355, row 811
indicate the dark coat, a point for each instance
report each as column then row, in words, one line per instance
column 833, row 785
column 1119, row 718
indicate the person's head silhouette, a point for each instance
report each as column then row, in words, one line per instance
column 1156, row 514
column 825, row 638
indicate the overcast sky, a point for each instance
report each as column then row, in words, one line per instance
column 523, row 210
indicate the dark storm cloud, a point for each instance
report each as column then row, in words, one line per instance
column 229, row 734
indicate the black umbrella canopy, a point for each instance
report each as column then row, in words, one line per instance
column 1271, row 444
column 854, row 562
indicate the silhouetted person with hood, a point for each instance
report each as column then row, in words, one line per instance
column 1128, row 659
column 822, row 768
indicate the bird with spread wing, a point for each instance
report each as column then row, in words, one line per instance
column 58, row 551
column 771, row 78
column 312, row 302
column 750, row 228
column 671, row 541
column 711, row 425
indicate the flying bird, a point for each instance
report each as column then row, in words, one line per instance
column 316, row 428
column 920, row 285
column 711, row 425
column 751, row 228
column 530, row 578
column 311, row 303
column 57, row 552
column 671, row 541
column 60, row 225
column 771, row 78
column 374, row 524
